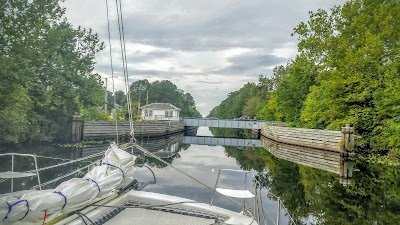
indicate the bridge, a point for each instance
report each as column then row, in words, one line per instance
column 235, row 142
column 226, row 123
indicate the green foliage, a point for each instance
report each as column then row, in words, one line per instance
column 14, row 123
column 251, row 107
column 50, row 62
column 347, row 71
column 294, row 88
column 119, row 97
column 269, row 111
column 164, row 92
column 233, row 106
column 135, row 112
column 226, row 133
column 251, row 98
column 357, row 47
column 93, row 113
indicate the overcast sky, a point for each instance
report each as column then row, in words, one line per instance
column 206, row 47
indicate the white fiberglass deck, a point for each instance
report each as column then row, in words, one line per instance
column 148, row 208
column 137, row 216
column 235, row 193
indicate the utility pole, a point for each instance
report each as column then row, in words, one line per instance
column 147, row 98
column 140, row 96
column 105, row 97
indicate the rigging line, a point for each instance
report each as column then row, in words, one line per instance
column 112, row 69
column 184, row 173
column 124, row 62
column 126, row 68
column 69, row 162
column 122, row 54
column 56, row 158
column 261, row 202
column 66, row 175
column 49, row 157
column 257, row 206
column 83, row 216
column 283, row 206
column 145, row 206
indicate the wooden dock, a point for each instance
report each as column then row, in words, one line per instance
column 336, row 141
column 103, row 130
column 311, row 157
column 321, row 149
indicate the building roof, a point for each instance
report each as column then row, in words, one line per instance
column 160, row 106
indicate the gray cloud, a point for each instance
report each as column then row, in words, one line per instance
column 250, row 64
column 140, row 56
column 191, row 25
column 179, row 34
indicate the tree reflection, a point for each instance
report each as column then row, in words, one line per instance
column 313, row 196
column 152, row 162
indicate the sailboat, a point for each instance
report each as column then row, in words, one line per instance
column 108, row 194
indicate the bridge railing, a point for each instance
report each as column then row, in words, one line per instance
column 229, row 123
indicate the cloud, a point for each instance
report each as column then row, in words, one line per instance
column 250, row 63
column 208, row 48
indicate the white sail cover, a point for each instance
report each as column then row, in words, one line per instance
column 115, row 172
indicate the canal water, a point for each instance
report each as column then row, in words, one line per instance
column 309, row 195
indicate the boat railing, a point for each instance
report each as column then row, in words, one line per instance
column 36, row 172
column 234, row 193
column 258, row 211
column 148, row 182
column 4, row 176
column 13, row 174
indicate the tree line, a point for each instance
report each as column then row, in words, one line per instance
column 347, row 71
column 46, row 70
column 144, row 92
column 46, row 73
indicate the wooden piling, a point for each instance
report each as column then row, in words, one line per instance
column 347, row 138
column 347, row 147
column 76, row 128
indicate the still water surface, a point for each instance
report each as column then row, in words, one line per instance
column 312, row 196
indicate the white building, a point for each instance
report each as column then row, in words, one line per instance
column 160, row 111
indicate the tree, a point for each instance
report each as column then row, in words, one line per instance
column 232, row 106
column 251, row 107
column 357, row 47
column 164, row 92
column 119, row 97
column 292, row 91
column 50, row 63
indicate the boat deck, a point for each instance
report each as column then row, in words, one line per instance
column 148, row 208
column 138, row 216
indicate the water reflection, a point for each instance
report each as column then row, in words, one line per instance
column 316, row 196
column 49, row 155
column 53, row 154
column 307, row 182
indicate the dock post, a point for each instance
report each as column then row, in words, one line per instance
column 77, row 129
column 347, row 138
column 346, row 160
